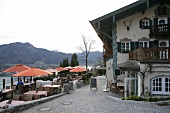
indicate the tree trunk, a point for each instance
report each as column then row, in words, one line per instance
column 86, row 63
column 143, row 89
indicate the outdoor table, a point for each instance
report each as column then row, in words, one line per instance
column 27, row 84
column 13, row 102
column 54, row 87
column 36, row 94
column 5, row 92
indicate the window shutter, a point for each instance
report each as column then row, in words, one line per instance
column 140, row 24
column 117, row 72
column 151, row 45
column 168, row 20
column 155, row 21
column 150, row 23
column 132, row 46
column 137, row 45
column 155, row 43
column 119, row 46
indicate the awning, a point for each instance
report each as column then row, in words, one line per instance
column 129, row 66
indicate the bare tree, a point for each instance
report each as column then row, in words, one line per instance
column 86, row 47
column 144, row 72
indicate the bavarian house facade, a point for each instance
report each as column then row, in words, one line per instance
column 136, row 39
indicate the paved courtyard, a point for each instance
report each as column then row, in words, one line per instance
column 83, row 100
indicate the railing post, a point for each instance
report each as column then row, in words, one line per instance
column 11, row 81
column 24, row 78
column 3, row 83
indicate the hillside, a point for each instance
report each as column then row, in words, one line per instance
column 25, row 53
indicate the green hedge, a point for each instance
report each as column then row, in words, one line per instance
column 43, row 78
column 149, row 99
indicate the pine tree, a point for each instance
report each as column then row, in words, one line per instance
column 65, row 62
column 74, row 60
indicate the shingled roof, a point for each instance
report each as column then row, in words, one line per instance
column 129, row 66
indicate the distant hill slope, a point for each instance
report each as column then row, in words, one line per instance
column 25, row 53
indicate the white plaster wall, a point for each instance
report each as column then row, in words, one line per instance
column 157, row 70
column 122, row 57
column 135, row 31
column 109, row 72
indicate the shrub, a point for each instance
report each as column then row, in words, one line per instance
column 150, row 99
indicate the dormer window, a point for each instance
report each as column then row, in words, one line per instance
column 145, row 23
column 162, row 10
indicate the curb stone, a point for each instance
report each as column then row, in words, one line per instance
column 29, row 104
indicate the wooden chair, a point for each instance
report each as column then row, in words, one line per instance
column 16, row 97
column 22, row 97
column 20, row 88
column 49, row 91
column 28, row 97
column 113, row 87
column 120, row 89
column 40, row 88
column 8, row 87
column 14, row 88
column 32, row 86
column 8, row 94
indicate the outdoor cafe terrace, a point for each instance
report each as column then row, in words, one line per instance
column 33, row 90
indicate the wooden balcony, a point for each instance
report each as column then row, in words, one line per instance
column 160, row 31
column 159, row 54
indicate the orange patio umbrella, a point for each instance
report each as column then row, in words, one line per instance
column 51, row 70
column 61, row 69
column 32, row 72
column 78, row 69
column 17, row 68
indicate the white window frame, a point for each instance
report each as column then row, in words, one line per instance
column 143, row 44
column 167, row 85
column 125, row 48
column 160, row 87
column 145, row 23
column 162, row 18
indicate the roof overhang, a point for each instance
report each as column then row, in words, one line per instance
column 104, row 24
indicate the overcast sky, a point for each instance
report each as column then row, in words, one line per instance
column 53, row 24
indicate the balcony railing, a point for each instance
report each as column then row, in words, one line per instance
column 160, row 30
column 152, row 54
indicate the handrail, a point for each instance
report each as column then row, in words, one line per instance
column 159, row 53
column 159, row 29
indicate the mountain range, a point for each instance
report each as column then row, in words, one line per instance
column 26, row 53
